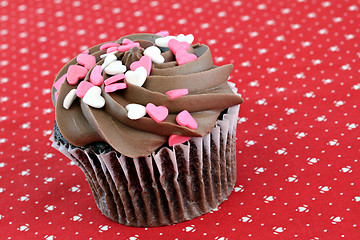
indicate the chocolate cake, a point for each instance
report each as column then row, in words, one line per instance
column 151, row 122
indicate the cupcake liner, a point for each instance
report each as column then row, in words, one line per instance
column 170, row 186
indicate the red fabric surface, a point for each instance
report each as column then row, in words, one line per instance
column 296, row 63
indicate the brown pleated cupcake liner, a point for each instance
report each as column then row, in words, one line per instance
column 170, row 186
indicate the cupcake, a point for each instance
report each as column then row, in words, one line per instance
column 151, row 122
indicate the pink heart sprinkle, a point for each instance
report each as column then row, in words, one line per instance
column 163, row 33
column 114, row 87
column 185, row 119
column 74, row 73
column 108, row 45
column 86, row 51
column 126, row 41
column 88, row 61
column 82, row 88
column 111, row 49
column 145, row 61
column 96, row 76
column 183, row 57
column 158, row 114
column 177, row 93
column 124, row 48
column 113, row 79
column 60, row 81
column 177, row 139
column 176, row 46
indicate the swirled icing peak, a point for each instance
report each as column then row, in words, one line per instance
column 140, row 92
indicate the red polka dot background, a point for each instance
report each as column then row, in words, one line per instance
column 296, row 64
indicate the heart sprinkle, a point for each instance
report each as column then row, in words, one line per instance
column 185, row 38
column 163, row 33
column 112, row 50
column 108, row 45
column 114, row 68
column 113, row 79
column 135, row 111
column 69, row 99
column 114, row 87
column 124, row 48
column 60, row 81
column 88, row 61
column 158, row 114
column 155, row 54
column 145, row 61
column 108, row 59
column 183, row 57
column 163, row 41
column 185, row 119
column 177, row 93
column 96, row 76
column 177, row 46
column 126, row 41
column 136, row 77
column 74, row 73
column 93, row 97
column 177, row 139
column 82, row 88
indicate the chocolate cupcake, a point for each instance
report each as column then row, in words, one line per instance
column 151, row 122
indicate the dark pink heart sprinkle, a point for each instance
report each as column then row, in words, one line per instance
column 177, row 93
column 82, row 88
column 111, row 49
column 113, row 79
column 124, row 48
column 183, row 57
column 88, row 61
column 177, row 46
column 60, row 81
column 108, row 45
column 145, row 61
column 114, row 87
column 75, row 73
column 177, row 139
column 126, row 41
column 158, row 114
column 185, row 119
column 96, row 76
column 163, row 33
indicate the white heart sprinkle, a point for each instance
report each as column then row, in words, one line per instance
column 69, row 99
column 110, row 57
column 163, row 41
column 115, row 68
column 135, row 111
column 93, row 97
column 155, row 54
column 185, row 38
column 136, row 77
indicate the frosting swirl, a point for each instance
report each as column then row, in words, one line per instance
column 208, row 95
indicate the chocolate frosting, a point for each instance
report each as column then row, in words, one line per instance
column 209, row 94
